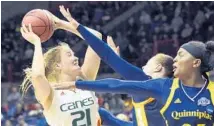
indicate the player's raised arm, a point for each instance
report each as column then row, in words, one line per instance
column 88, row 73
column 39, row 81
column 90, row 54
column 151, row 88
column 122, row 67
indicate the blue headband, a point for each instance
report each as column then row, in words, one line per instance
column 198, row 50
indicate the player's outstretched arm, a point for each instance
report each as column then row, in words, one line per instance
column 39, row 81
column 111, row 120
column 151, row 88
column 122, row 67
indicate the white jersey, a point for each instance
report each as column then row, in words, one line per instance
column 68, row 108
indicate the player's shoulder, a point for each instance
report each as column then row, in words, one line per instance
column 167, row 82
column 163, row 82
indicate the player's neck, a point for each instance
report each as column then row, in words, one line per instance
column 193, row 80
column 158, row 75
column 66, row 78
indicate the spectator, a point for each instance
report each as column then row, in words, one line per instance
column 14, row 96
column 199, row 18
column 210, row 35
column 177, row 22
column 121, row 41
column 28, row 53
column 145, row 18
column 8, row 123
column 16, row 111
column 106, row 106
column 100, row 100
column 37, row 111
column 21, row 121
column 187, row 31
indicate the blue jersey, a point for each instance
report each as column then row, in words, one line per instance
column 111, row 120
column 177, row 108
column 146, row 112
column 127, row 71
column 180, row 110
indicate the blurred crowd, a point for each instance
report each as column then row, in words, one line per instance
column 159, row 27
column 17, row 111
column 162, row 27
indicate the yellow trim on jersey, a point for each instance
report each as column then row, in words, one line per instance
column 210, row 87
column 140, row 111
column 174, row 86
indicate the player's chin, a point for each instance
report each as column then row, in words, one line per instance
column 176, row 74
column 76, row 69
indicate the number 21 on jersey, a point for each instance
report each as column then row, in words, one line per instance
column 82, row 115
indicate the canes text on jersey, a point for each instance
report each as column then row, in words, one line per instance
column 77, row 104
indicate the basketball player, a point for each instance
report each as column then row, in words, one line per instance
column 62, row 108
column 194, row 59
column 151, row 68
column 187, row 100
column 158, row 66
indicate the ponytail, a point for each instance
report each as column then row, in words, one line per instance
column 210, row 55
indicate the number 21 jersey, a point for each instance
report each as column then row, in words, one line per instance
column 68, row 108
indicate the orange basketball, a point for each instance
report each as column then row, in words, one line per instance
column 41, row 23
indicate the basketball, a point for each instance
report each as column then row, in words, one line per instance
column 42, row 24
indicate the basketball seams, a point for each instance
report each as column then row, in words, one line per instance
column 38, row 26
column 37, row 17
column 42, row 21
column 49, row 23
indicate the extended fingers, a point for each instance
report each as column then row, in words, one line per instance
column 110, row 41
column 30, row 28
column 64, row 11
column 25, row 28
column 62, row 8
column 68, row 11
column 22, row 31
column 118, row 50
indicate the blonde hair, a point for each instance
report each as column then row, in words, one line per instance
column 51, row 58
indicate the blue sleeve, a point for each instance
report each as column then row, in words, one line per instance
column 153, row 88
column 125, row 69
column 110, row 120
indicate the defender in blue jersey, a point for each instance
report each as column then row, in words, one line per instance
column 187, row 100
column 158, row 66
column 153, row 68
column 190, row 64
